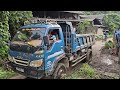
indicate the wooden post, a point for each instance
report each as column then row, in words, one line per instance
column 44, row 14
column 58, row 14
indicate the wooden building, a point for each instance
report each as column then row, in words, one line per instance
column 58, row 14
column 97, row 25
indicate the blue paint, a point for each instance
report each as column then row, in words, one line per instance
column 25, row 56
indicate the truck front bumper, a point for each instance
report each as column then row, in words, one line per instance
column 28, row 71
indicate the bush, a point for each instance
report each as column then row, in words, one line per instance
column 109, row 44
column 17, row 19
column 112, row 21
column 10, row 21
column 85, row 71
column 4, row 33
column 5, row 74
column 110, row 36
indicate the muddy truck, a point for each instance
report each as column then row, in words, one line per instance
column 48, row 49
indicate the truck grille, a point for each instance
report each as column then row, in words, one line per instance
column 21, row 62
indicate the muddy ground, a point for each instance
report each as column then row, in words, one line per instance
column 104, row 62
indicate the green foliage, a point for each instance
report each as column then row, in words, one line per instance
column 82, row 26
column 17, row 19
column 5, row 74
column 4, row 27
column 85, row 71
column 110, row 36
column 112, row 21
column 109, row 44
column 74, row 75
column 88, row 71
column 91, row 12
column 99, row 38
column 100, row 12
column 10, row 21
column 22, row 37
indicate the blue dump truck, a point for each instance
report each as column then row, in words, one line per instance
column 48, row 49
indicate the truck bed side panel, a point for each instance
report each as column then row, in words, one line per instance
column 82, row 41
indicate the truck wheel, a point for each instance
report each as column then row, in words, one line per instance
column 89, row 56
column 59, row 71
column 119, row 57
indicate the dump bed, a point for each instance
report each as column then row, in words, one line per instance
column 73, row 41
column 83, row 41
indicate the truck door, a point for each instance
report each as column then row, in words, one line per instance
column 55, row 48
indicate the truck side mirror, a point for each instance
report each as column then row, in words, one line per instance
column 46, row 40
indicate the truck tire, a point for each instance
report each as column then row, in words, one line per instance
column 89, row 56
column 59, row 71
column 119, row 57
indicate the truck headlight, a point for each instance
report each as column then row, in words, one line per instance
column 10, row 58
column 36, row 63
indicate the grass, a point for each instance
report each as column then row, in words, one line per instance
column 5, row 74
column 85, row 72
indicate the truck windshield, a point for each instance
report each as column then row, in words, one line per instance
column 28, row 37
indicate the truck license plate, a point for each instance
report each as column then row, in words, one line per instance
column 20, row 69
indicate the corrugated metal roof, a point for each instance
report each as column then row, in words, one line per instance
column 92, row 16
column 77, row 12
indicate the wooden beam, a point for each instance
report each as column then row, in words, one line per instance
column 44, row 14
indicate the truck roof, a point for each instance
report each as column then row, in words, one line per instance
column 40, row 22
column 36, row 25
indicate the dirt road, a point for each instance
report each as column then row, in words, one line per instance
column 18, row 77
column 106, row 64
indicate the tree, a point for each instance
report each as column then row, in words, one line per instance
column 82, row 26
column 10, row 21
column 112, row 21
column 17, row 19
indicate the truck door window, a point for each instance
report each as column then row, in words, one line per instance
column 88, row 40
column 53, row 36
column 85, row 40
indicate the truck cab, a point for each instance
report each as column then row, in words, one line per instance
column 28, row 54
